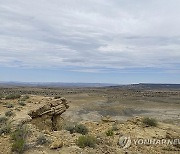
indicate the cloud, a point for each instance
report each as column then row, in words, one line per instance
column 97, row 35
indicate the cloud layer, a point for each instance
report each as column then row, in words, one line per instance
column 91, row 35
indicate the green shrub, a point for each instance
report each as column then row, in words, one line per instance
column 1, row 96
column 149, row 122
column 109, row 132
column 3, row 119
column 86, row 141
column 24, row 98
column 9, row 105
column 42, row 140
column 9, row 113
column 6, row 129
column 70, row 128
column 81, row 129
column 18, row 146
column 13, row 96
column 22, row 103
column 19, row 139
column 78, row 128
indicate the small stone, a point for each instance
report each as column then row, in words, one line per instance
column 56, row 144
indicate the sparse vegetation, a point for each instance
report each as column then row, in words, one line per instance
column 114, row 127
column 149, row 121
column 109, row 132
column 17, row 109
column 1, row 96
column 19, row 139
column 70, row 128
column 3, row 119
column 22, row 103
column 86, row 141
column 13, row 96
column 24, row 98
column 5, row 129
column 42, row 139
column 101, row 137
column 9, row 113
column 81, row 129
column 9, row 105
column 78, row 128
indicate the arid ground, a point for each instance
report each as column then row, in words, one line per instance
column 90, row 105
column 119, row 103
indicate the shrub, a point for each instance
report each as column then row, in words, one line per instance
column 115, row 128
column 42, row 140
column 9, row 113
column 70, row 128
column 150, row 122
column 3, row 119
column 81, row 129
column 86, row 141
column 18, row 146
column 17, row 109
column 9, row 105
column 1, row 96
column 109, row 132
column 57, row 97
column 24, row 98
column 78, row 128
column 13, row 96
column 6, row 129
column 22, row 103
column 19, row 139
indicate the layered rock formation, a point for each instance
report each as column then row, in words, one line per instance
column 48, row 116
column 52, row 108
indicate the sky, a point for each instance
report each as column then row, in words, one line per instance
column 105, row 41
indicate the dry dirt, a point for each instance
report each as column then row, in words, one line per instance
column 88, row 106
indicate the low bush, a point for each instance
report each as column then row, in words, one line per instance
column 9, row 105
column 115, row 128
column 81, row 129
column 6, row 129
column 17, row 109
column 42, row 140
column 3, row 119
column 86, row 141
column 150, row 122
column 70, row 128
column 78, row 128
column 13, row 96
column 22, row 103
column 1, row 96
column 19, row 139
column 24, row 98
column 109, row 132
column 9, row 113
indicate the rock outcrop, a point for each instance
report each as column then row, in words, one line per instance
column 53, row 108
column 48, row 116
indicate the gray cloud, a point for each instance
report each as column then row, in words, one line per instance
column 94, row 34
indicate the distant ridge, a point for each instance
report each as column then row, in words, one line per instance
column 54, row 84
column 147, row 86
column 150, row 86
column 155, row 86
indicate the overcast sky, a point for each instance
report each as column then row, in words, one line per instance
column 114, row 41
